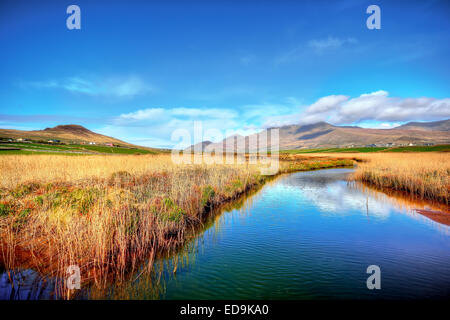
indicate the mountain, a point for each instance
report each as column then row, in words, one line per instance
column 199, row 146
column 70, row 133
column 325, row 135
column 443, row 125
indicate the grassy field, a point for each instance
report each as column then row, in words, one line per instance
column 439, row 148
column 422, row 175
column 337, row 150
column 42, row 148
column 106, row 213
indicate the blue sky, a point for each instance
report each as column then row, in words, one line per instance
column 138, row 70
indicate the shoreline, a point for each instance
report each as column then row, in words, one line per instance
column 190, row 231
column 145, row 216
column 125, row 252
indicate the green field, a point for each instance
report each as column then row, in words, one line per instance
column 441, row 148
column 73, row 149
column 78, row 149
column 340, row 150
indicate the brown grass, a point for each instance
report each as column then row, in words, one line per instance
column 109, row 213
column 423, row 175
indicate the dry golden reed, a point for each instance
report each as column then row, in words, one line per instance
column 425, row 175
column 105, row 213
column 109, row 213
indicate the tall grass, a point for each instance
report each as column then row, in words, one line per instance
column 108, row 213
column 424, row 176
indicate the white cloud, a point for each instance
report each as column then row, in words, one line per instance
column 154, row 126
column 144, row 114
column 386, row 125
column 329, row 43
column 379, row 125
column 110, row 86
column 326, row 104
column 157, row 114
column 314, row 46
column 376, row 106
column 202, row 113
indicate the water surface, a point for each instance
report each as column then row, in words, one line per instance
column 312, row 235
column 307, row 235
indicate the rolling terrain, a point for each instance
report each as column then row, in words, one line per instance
column 325, row 135
column 70, row 133
column 73, row 139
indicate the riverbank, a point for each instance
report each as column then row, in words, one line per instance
column 419, row 175
column 106, row 214
column 425, row 176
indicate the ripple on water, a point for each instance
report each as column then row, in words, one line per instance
column 305, row 235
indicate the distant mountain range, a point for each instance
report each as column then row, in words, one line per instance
column 443, row 125
column 325, row 135
column 318, row 135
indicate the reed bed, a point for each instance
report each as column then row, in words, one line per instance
column 107, row 214
column 421, row 175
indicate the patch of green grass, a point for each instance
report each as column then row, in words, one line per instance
column 5, row 209
column 118, row 150
column 82, row 199
column 316, row 164
column 207, row 195
column 339, row 150
column 21, row 218
column 27, row 152
column 172, row 211
column 39, row 200
column 372, row 149
column 24, row 189
column 441, row 148
column 72, row 149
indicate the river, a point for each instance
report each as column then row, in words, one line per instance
column 306, row 235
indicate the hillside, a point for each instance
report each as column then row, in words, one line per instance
column 199, row 146
column 69, row 134
column 65, row 133
column 443, row 125
column 325, row 135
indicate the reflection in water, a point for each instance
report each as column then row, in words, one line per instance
column 332, row 194
column 307, row 235
column 25, row 285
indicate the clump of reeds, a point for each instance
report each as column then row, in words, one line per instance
column 423, row 175
column 108, row 213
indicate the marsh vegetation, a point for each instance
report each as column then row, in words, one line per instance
column 107, row 214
